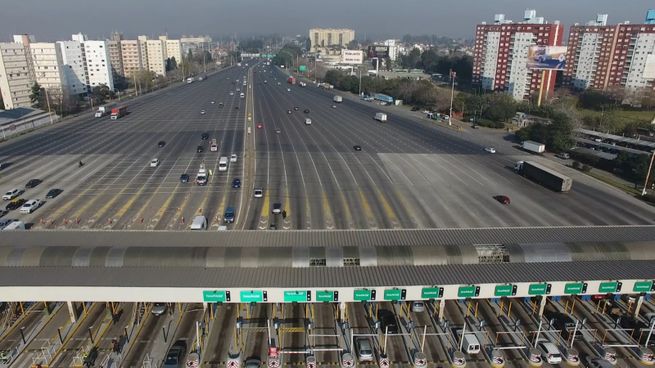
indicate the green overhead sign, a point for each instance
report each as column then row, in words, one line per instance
column 252, row 296
column 608, row 287
column 431, row 293
column 573, row 288
column 326, row 296
column 392, row 294
column 302, row 68
column 215, row 296
column 643, row 286
column 537, row 289
column 291, row 296
column 504, row 290
column 468, row 291
column 361, row 295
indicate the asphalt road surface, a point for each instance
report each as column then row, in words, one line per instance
column 409, row 173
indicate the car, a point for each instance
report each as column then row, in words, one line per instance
column 52, row 193
column 357, row 148
column 161, row 144
column 236, row 183
column 278, row 83
column 236, row 107
column 213, row 102
column 15, row 204
column 158, row 309
column 258, row 192
column 550, row 352
column 200, row 149
column 204, row 136
column 475, row 126
column 228, row 217
column 253, row 363
column 175, row 355
column 418, row 307
column 260, row 125
column 220, row 104
column 306, row 111
column 33, row 183
column 502, row 199
column 334, row 106
column 563, row 155
column 387, row 321
column 233, row 157
column 11, row 194
column 277, row 208
column 31, row 206
column 288, row 111
column 3, row 213
column 364, row 350
column 202, row 112
column 231, row 93
column 278, row 131
column 238, row 89
column 154, row 162
column 296, row 108
column 490, row 149
column 288, row 89
column 184, row 178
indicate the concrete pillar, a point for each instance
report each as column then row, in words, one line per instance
column 542, row 305
column 442, row 308
column 71, row 311
column 640, row 301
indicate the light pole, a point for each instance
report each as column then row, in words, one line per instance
column 452, row 95
column 650, row 167
column 359, row 69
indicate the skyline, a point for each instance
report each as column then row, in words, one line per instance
column 221, row 19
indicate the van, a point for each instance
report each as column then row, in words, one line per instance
column 308, row 121
column 242, row 95
column 380, row 116
column 199, row 223
column 550, row 352
column 222, row 163
column 15, row 225
column 364, row 350
column 471, row 344
column 214, row 146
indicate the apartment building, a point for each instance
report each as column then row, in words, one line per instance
column 15, row 79
column 96, row 55
column 156, row 55
column 323, row 39
column 173, row 48
column 47, row 64
column 132, row 58
column 500, row 60
column 74, row 66
column 115, row 54
column 602, row 56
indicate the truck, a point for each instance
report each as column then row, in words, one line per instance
column 118, row 112
column 337, row 99
column 291, row 80
column 383, row 98
column 201, row 178
column 380, row 116
column 547, row 177
column 534, row 147
column 103, row 111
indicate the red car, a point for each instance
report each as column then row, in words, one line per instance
column 260, row 125
column 502, row 199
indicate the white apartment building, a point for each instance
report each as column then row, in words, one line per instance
column 329, row 38
column 156, row 55
column 46, row 64
column 96, row 54
column 15, row 79
column 173, row 48
column 74, row 66
column 133, row 60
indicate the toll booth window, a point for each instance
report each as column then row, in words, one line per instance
column 317, row 262
column 351, row 261
column 492, row 253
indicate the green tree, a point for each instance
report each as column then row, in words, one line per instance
column 501, row 107
column 100, row 94
column 411, row 60
column 171, row 64
column 37, row 95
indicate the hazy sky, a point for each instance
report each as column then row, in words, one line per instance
column 52, row 20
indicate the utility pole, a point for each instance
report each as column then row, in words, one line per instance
column 650, row 167
column 452, row 95
column 359, row 68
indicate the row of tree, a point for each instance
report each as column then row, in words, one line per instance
column 432, row 62
column 287, row 55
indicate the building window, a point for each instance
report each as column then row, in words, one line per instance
column 317, row 262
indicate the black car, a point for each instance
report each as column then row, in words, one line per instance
column 357, row 148
column 199, row 149
column 277, row 208
column 15, row 204
column 205, row 136
column 3, row 213
column 184, row 178
column 176, row 354
column 236, row 183
column 32, row 183
column 387, row 321
column 161, row 144
column 306, row 111
column 53, row 193
column 236, row 107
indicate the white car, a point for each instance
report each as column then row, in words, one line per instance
column 31, row 206
column 231, row 93
column 233, row 157
column 202, row 112
column 11, row 194
column 490, row 149
column 259, row 192
column 154, row 162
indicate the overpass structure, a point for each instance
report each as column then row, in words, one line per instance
column 325, row 266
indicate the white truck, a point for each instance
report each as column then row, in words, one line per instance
column 103, row 111
column 534, row 147
column 543, row 175
column 337, row 99
column 380, row 116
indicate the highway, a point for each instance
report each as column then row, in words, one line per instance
column 409, row 173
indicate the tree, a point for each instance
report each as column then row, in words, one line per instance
column 501, row 107
column 2, row 102
column 411, row 60
column 171, row 64
column 100, row 94
column 37, row 95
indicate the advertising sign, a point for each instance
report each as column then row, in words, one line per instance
column 547, row 57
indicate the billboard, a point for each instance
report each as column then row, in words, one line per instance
column 378, row 51
column 547, row 57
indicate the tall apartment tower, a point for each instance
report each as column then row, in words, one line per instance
column 501, row 55
column 15, row 76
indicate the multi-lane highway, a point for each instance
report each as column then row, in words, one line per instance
column 409, row 174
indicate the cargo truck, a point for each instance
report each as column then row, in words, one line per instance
column 380, row 116
column 118, row 112
column 337, row 99
column 103, row 111
column 547, row 177
column 291, row 80
column 534, row 147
